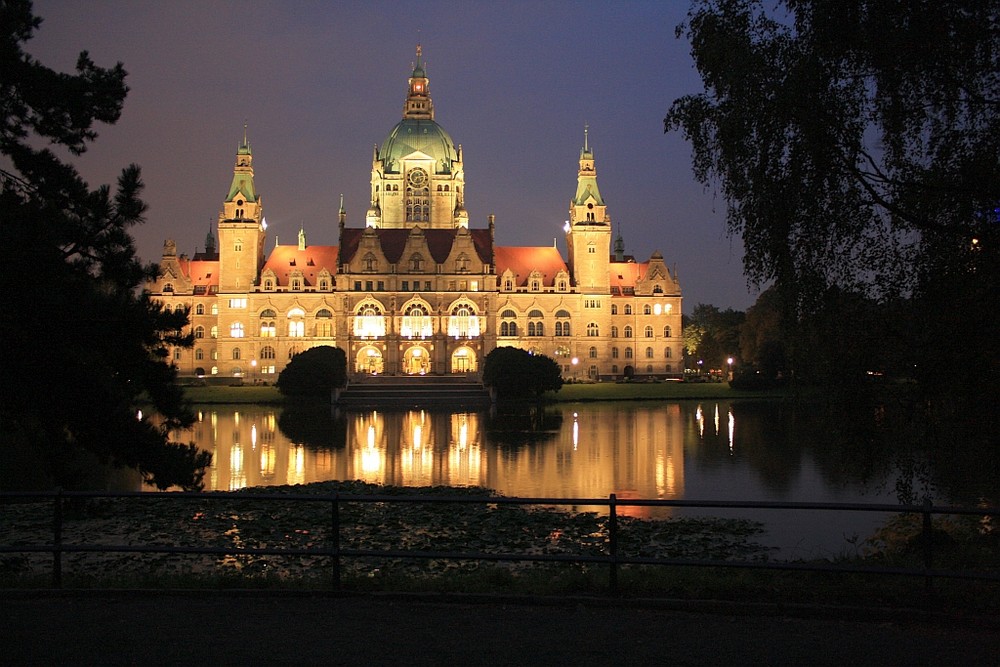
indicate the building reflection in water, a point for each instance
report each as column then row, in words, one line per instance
column 633, row 452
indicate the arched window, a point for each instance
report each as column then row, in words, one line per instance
column 646, row 310
column 628, row 308
column 649, row 332
column 614, row 353
column 614, row 332
column 416, row 322
column 463, row 322
column 215, row 332
column 614, row 309
column 668, row 353
column 592, row 330
column 535, row 327
column 592, row 352
column 236, row 354
column 416, row 263
column 666, row 332
column 370, row 263
column 649, row 353
column 215, row 309
column 296, row 323
column 199, row 354
column 628, row 331
column 199, row 331
column 369, row 322
column 199, row 309
column 324, row 323
column 168, row 287
column 236, row 330
column 268, row 285
column 267, row 352
column 628, row 353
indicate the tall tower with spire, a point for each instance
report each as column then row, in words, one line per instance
column 588, row 230
column 241, row 229
column 417, row 175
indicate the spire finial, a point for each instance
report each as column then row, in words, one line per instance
column 586, row 136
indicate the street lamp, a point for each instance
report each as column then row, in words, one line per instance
column 574, row 361
column 729, row 375
column 253, row 371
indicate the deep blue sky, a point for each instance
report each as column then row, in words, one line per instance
column 321, row 83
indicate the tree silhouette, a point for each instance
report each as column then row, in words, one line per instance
column 83, row 349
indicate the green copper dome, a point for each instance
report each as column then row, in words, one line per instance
column 411, row 135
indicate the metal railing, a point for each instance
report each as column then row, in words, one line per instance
column 612, row 556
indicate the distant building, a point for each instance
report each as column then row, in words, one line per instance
column 416, row 290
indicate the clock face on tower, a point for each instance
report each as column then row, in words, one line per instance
column 417, row 178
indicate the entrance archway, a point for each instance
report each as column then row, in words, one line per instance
column 416, row 361
column 369, row 360
column 463, row 360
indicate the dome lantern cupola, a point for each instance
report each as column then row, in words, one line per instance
column 418, row 97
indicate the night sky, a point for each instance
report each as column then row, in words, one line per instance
column 320, row 83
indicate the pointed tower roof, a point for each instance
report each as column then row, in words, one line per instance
column 586, row 182
column 243, row 185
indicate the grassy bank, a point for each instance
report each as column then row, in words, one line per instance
column 604, row 391
column 609, row 391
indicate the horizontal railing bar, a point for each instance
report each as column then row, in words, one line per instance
column 612, row 558
column 504, row 500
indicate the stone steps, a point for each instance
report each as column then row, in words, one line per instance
column 402, row 392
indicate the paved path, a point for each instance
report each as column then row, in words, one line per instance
column 273, row 629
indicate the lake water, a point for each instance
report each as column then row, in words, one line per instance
column 669, row 450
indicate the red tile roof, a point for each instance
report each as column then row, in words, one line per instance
column 626, row 274
column 200, row 272
column 286, row 258
column 523, row 260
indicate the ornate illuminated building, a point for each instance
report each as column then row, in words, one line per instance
column 417, row 290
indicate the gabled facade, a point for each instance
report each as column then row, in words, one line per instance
column 416, row 289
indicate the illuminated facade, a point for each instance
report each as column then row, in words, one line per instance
column 417, row 290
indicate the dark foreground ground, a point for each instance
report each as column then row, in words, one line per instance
column 268, row 629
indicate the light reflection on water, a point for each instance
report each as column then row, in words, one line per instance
column 681, row 450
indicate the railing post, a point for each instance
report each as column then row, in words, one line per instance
column 57, row 529
column 335, row 537
column 613, row 543
column 928, row 536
